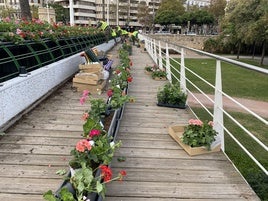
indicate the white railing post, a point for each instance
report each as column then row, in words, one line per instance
column 151, row 48
column 182, row 73
column 168, row 64
column 146, row 43
column 154, row 53
column 160, row 57
column 218, row 114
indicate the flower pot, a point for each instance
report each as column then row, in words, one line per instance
column 176, row 133
column 180, row 106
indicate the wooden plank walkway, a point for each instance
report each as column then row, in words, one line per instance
column 158, row 169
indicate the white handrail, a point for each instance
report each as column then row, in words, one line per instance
column 218, row 96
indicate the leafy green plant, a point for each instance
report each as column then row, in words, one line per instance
column 150, row 68
column 171, row 94
column 159, row 74
column 198, row 134
column 65, row 195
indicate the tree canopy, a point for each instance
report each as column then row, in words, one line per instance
column 247, row 22
column 169, row 12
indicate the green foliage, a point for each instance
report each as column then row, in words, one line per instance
column 98, row 108
column 149, row 68
column 159, row 73
column 38, row 30
column 171, row 94
column 199, row 135
column 64, row 194
column 90, row 125
column 169, row 12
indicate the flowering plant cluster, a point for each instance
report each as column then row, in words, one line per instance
column 92, row 155
column 199, row 133
column 155, row 72
column 150, row 69
column 171, row 94
column 117, row 92
column 18, row 31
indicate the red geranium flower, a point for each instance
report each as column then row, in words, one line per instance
column 109, row 92
column 129, row 79
column 106, row 173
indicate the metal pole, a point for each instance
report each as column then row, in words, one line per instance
column 218, row 114
column 160, row 57
column 168, row 64
column 182, row 73
column 117, row 12
column 71, row 9
column 108, row 11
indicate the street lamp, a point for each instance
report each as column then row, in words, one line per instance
column 48, row 18
column 108, row 11
column 71, row 10
column 117, row 12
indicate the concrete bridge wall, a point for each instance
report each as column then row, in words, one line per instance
column 196, row 42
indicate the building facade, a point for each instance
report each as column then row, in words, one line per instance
column 89, row 12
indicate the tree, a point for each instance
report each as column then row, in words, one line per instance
column 25, row 10
column 144, row 16
column 61, row 13
column 196, row 19
column 246, row 23
column 217, row 9
column 169, row 12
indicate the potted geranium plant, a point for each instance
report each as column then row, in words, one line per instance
column 170, row 95
column 149, row 69
column 159, row 74
column 195, row 138
column 85, row 185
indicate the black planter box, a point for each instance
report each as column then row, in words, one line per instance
column 180, row 106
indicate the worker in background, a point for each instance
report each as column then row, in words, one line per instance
column 104, row 26
column 114, row 35
column 124, row 35
column 134, row 37
column 119, row 32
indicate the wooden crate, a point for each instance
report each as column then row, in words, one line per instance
column 93, row 89
column 87, row 78
column 176, row 133
column 94, row 67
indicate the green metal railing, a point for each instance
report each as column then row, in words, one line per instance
column 33, row 55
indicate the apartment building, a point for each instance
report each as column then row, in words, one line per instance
column 115, row 12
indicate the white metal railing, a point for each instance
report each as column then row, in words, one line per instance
column 154, row 48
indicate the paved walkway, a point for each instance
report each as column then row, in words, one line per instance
column 259, row 107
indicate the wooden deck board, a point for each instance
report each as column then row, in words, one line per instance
column 158, row 169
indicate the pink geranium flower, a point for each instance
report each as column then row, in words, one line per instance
column 83, row 145
column 195, row 122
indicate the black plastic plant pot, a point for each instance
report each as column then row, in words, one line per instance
column 180, row 106
column 113, row 125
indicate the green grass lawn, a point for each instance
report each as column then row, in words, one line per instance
column 236, row 81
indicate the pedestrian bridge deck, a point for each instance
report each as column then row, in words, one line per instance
column 157, row 167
